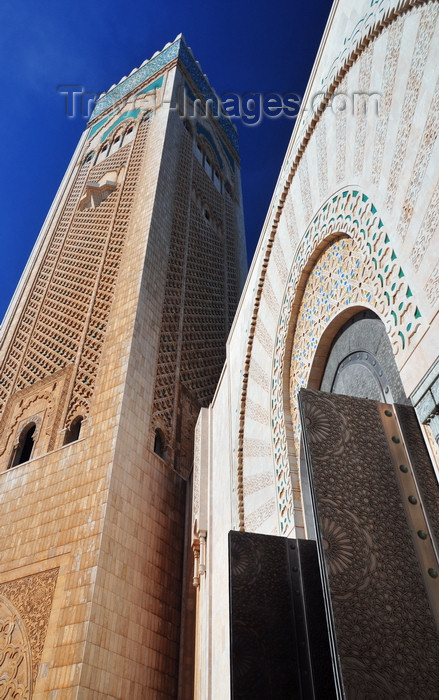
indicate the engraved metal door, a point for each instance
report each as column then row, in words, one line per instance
column 278, row 637
column 376, row 509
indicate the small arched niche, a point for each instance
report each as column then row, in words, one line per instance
column 25, row 447
column 74, row 431
column 160, row 444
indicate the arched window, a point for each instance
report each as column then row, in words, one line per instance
column 103, row 153
column 25, row 445
column 129, row 135
column 159, row 444
column 115, row 144
column 74, row 431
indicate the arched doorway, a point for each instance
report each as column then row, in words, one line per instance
column 354, row 358
column 360, row 362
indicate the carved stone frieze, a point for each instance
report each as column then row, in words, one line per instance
column 393, row 47
column 360, row 270
column 31, row 597
column 42, row 404
column 15, row 655
column 426, row 28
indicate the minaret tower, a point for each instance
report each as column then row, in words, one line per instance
column 113, row 341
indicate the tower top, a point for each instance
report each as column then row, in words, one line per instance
column 178, row 49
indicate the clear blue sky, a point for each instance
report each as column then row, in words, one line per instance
column 243, row 46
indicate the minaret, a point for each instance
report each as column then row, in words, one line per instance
column 113, row 341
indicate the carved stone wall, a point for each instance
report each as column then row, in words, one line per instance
column 202, row 291
column 63, row 322
column 15, row 655
column 42, row 403
column 368, row 147
column 25, row 606
column 361, row 271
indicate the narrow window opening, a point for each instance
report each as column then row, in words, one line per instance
column 25, row 446
column 159, row 444
column 103, row 153
column 198, row 153
column 129, row 135
column 115, row 145
column 74, row 431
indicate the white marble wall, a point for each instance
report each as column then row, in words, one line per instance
column 374, row 178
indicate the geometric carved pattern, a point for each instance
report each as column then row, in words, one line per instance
column 322, row 166
column 31, row 408
column 426, row 28
column 64, row 320
column 390, row 66
column 386, row 633
column 257, row 482
column 432, row 287
column 340, row 137
column 45, row 354
column 119, row 205
column 273, row 610
column 428, row 227
column 31, row 597
column 264, row 661
column 47, row 399
column 255, row 519
column 423, row 156
column 339, row 279
column 15, row 656
column 382, row 14
column 360, row 116
column 365, row 271
column 200, row 298
column 196, row 479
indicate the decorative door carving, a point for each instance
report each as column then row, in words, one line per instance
column 278, row 635
column 376, row 508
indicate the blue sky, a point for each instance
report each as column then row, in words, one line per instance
column 242, row 46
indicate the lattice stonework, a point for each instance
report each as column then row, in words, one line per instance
column 363, row 271
column 200, row 298
column 109, row 267
column 64, row 320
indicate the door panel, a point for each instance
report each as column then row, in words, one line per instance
column 376, row 544
column 278, row 636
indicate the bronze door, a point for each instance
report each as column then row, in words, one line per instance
column 376, row 509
